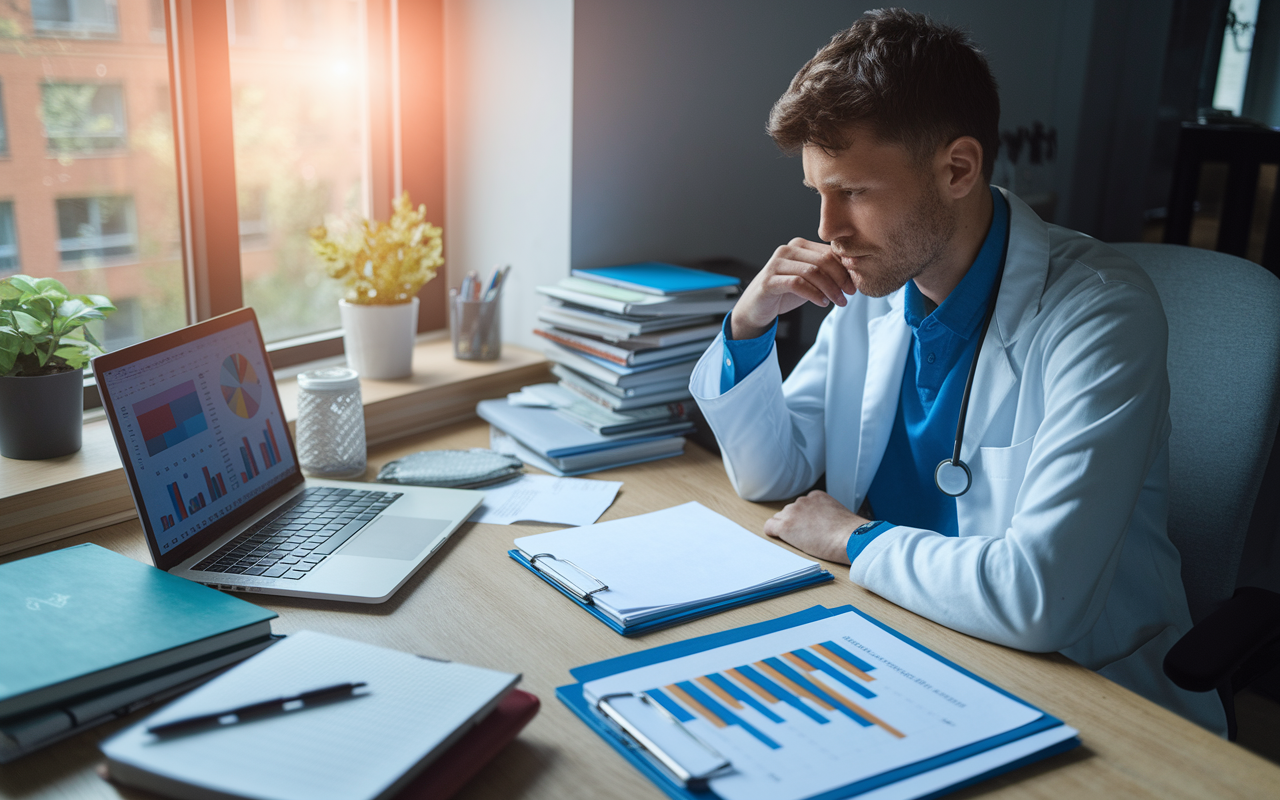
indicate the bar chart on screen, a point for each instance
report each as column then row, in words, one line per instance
column 186, row 496
column 267, row 448
column 822, row 705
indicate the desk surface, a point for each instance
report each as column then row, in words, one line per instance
column 472, row 603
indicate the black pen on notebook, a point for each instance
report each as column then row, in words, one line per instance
column 266, row 708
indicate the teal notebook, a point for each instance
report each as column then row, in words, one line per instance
column 83, row 618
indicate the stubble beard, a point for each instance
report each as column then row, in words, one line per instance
column 916, row 244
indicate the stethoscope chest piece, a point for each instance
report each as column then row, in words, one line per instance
column 953, row 478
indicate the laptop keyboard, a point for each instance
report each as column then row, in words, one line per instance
column 299, row 535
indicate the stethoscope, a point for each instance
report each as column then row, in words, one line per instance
column 952, row 477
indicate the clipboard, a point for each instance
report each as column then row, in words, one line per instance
column 580, row 588
column 652, row 764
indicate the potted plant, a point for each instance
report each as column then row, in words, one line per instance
column 44, row 347
column 383, row 265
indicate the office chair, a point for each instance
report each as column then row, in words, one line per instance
column 1224, row 377
column 1244, row 148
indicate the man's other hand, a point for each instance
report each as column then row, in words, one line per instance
column 800, row 271
column 817, row 524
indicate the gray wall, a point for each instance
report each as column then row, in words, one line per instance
column 670, row 98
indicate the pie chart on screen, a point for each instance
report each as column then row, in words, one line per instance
column 240, row 386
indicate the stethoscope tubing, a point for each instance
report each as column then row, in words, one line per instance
column 973, row 369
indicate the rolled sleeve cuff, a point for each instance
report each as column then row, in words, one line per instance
column 741, row 357
column 857, row 544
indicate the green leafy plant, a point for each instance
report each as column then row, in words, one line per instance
column 382, row 263
column 42, row 326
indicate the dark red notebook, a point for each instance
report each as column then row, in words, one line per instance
column 451, row 771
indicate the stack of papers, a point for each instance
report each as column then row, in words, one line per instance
column 665, row 567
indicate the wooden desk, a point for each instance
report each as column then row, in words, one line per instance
column 472, row 603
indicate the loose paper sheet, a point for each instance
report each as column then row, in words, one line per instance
column 542, row 498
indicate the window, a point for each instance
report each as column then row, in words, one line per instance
column 286, row 172
column 116, row 198
column 8, row 239
column 4, row 131
column 96, row 228
column 82, row 117
column 92, row 173
column 88, row 19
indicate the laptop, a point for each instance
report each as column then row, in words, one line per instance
column 215, row 477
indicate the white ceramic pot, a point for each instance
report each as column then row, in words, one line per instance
column 379, row 339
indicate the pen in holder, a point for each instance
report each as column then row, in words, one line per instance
column 476, row 327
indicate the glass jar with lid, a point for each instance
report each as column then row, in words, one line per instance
column 330, row 428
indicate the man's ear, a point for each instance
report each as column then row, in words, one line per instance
column 958, row 167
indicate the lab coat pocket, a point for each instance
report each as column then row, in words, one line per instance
column 1000, row 473
column 1006, row 463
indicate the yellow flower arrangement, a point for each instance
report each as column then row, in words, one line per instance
column 382, row 263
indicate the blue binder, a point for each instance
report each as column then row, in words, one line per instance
column 675, row 619
column 572, row 696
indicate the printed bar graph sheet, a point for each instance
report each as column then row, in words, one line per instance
column 822, row 706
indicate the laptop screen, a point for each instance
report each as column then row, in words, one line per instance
column 201, row 427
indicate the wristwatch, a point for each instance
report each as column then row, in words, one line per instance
column 865, row 527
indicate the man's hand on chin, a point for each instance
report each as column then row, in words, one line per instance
column 817, row 524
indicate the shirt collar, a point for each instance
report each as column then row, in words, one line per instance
column 964, row 308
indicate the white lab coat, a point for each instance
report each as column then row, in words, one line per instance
column 1062, row 540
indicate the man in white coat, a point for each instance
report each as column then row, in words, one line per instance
column 1059, row 542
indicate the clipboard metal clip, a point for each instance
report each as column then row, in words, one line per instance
column 663, row 739
column 562, row 580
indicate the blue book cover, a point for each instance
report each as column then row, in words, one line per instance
column 82, row 618
column 653, row 277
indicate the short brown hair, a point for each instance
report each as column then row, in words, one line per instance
column 914, row 81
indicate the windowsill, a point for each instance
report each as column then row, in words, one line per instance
column 59, row 497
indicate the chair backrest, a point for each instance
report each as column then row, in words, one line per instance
column 1244, row 149
column 1224, row 377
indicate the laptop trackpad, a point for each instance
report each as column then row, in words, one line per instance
column 401, row 538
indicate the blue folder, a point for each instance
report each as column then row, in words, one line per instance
column 684, row 616
column 572, row 696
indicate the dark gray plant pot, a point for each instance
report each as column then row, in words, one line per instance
column 41, row 416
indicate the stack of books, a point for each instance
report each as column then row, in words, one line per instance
column 627, row 337
column 624, row 341
column 91, row 635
